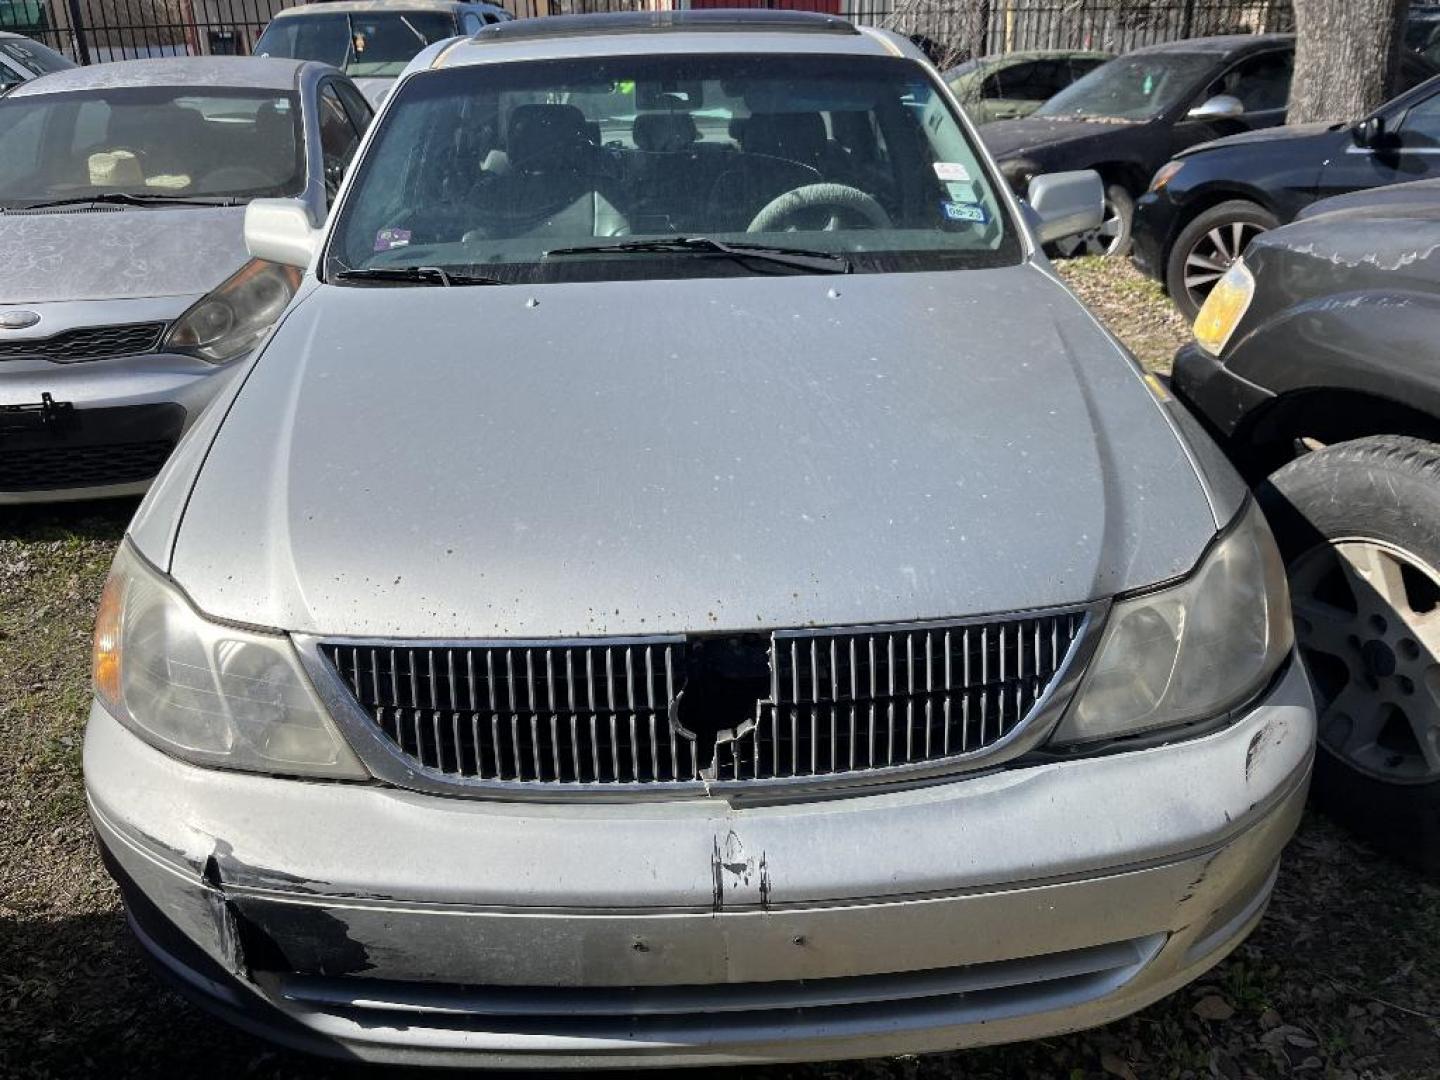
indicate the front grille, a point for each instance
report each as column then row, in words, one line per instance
column 42, row 468
column 716, row 708
column 87, row 343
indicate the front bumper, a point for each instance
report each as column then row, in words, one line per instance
column 386, row 925
column 1154, row 231
column 125, row 415
column 1214, row 393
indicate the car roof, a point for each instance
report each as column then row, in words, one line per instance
column 378, row 5
column 1219, row 45
column 661, row 32
column 262, row 73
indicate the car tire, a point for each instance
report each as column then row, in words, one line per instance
column 1214, row 239
column 1359, row 526
column 1112, row 238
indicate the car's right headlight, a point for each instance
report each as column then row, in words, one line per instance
column 229, row 321
column 1224, row 308
column 207, row 692
column 1193, row 651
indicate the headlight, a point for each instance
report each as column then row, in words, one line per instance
column 211, row 694
column 1224, row 308
column 1019, row 172
column 1165, row 174
column 1193, row 651
column 227, row 322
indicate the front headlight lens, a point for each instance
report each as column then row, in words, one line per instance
column 1193, row 651
column 1224, row 308
column 227, row 322
column 1164, row 175
column 211, row 694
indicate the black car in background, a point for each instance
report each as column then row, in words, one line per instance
column 1130, row 116
column 1210, row 201
column 1319, row 374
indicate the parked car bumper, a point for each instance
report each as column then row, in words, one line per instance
column 116, row 423
column 1213, row 392
column 384, row 925
column 1157, row 222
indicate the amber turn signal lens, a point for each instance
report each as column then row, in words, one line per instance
column 105, row 659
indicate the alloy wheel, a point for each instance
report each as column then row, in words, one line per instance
column 1367, row 618
column 1215, row 252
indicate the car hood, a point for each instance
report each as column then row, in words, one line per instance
column 118, row 254
column 1286, row 134
column 1417, row 199
column 1008, row 138
column 691, row 455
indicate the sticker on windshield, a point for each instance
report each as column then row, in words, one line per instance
column 386, row 239
column 961, row 192
column 952, row 170
column 965, row 211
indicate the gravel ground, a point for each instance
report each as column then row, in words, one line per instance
column 1341, row 980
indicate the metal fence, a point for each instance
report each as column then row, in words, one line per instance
column 92, row 31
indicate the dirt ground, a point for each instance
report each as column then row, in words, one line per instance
column 1341, row 980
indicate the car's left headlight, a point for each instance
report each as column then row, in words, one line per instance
column 1193, row 651
column 228, row 321
column 204, row 691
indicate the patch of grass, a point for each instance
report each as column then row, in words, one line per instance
column 1134, row 307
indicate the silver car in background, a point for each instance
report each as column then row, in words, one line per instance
column 372, row 40
column 126, row 292
column 22, row 59
column 685, row 583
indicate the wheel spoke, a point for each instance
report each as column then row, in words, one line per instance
column 1237, row 237
column 1217, row 239
column 1204, row 262
column 1361, row 708
column 1194, row 281
column 1425, row 629
column 1426, row 730
column 1375, row 576
column 1323, row 627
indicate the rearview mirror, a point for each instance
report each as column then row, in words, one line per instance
column 280, row 231
column 1066, row 203
column 1219, row 107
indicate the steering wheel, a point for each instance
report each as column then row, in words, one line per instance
column 790, row 211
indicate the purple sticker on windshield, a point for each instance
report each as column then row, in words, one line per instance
column 386, row 239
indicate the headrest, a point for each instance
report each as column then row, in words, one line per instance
column 799, row 136
column 545, row 134
column 665, row 131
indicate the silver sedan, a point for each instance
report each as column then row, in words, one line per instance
column 126, row 293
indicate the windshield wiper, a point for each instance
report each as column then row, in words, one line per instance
column 819, row 262
column 130, row 198
column 415, row 275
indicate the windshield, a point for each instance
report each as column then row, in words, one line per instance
column 1136, row 87
column 152, row 141
column 32, row 57
column 486, row 169
column 362, row 44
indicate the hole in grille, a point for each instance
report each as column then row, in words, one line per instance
column 54, row 467
column 88, row 343
column 830, row 701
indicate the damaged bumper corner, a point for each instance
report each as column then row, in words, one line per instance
column 386, row 925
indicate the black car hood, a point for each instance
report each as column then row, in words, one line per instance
column 1007, row 138
column 1418, row 200
column 1287, row 133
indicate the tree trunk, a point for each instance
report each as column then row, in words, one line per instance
column 1347, row 57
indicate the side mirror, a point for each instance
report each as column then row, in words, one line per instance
column 280, row 231
column 1219, row 107
column 1066, row 203
column 1370, row 132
